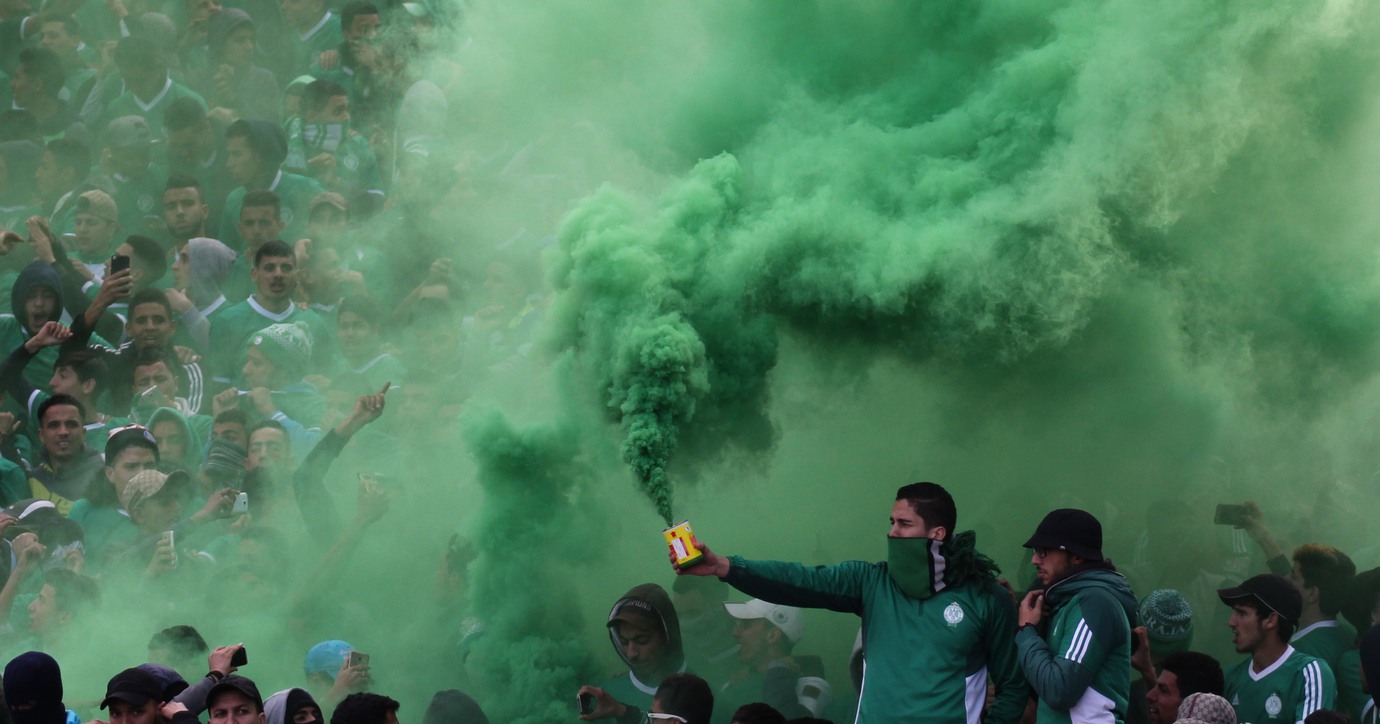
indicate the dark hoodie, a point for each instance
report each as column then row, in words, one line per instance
column 645, row 601
column 256, row 92
column 34, row 677
column 453, row 706
column 36, row 274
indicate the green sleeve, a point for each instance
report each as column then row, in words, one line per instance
column 1318, row 689
column 1003, row 667
column 1061, row 670
column 839, row 587
column 14, row 483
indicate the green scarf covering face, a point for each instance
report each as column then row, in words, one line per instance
column 916, row 565
column 922, row 567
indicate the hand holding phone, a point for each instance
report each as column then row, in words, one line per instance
column 1233, row 515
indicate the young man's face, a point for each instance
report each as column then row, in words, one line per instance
column 66, row 382
column 41, row 307
column 61, row 433
column 357, row 335
column 258, row 370
column 644, row 644
column 238, row 50
column 336, row 110
column 150, row 326
column 232, row 432
column 132, row 162
column 232, row 707
column 190, row 145
column 154, row 375
column 25, row 87
column 1051, row 564
column 129, row 462
column 242, row 163
column 268, row 447
column 43, row 611
column 751, row 635
column 275, row 277
column 93, row 233
column 144, row 81
column 259, row 225
column 56, row 38
column 157, row 514
column 1247, row 628
column 906, row 523
column 172, row 440
column 307, row 715
column 362, row 27
column 184, row 212
column 1163, row 699
column 122, row 712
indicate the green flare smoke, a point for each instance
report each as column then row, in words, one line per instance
column 1111, row 254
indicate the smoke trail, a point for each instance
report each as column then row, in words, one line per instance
column 526, row 647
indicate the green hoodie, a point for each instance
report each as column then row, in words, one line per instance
column 195, row 431
column 928, row 658
column 1081, row 668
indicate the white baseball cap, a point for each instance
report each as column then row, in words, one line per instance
column 786, row 618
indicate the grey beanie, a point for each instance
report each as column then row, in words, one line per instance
column 1167, row 616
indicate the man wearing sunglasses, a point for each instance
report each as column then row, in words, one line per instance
column 1075, row 631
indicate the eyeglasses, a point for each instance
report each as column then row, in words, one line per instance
column 658, row 716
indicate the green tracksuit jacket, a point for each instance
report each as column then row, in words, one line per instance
column 926, row 659
column 1081, row 668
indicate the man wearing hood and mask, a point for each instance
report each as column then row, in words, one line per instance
column 255, row 151
column 936, row 625
column 33, row 691
column 292, row 706
column 1075, row 631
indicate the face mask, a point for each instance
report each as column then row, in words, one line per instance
column 916, row 565
column 325, row 136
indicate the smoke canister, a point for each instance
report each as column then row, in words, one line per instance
column 679, row 538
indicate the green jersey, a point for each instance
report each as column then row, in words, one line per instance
column 295, row 192
column 1332, row 642
column 233, row 326
column 128, row 104
column 1288, row 690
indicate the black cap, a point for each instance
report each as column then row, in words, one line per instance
column 1275, row 592
column 1072, row 530
column 123, row 437
column 235, row 683
column 133, row 686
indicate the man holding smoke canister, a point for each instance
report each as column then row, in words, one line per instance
column 937, row 626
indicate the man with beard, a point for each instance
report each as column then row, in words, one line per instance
column 937, row 627
column 184, row 210
column 1078, row 661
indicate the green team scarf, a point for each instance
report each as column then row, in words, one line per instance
column 922, row 567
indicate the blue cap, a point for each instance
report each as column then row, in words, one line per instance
column 326, row 657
